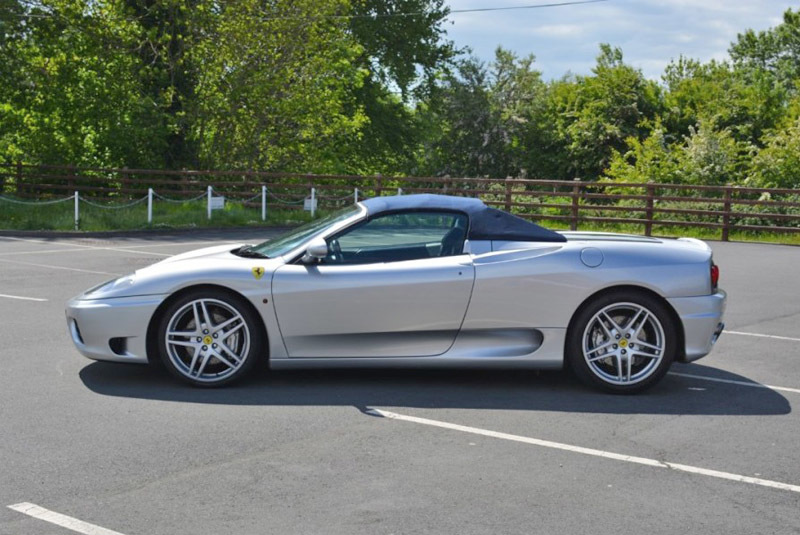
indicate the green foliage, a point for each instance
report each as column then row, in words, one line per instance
column 706, row 156
column 777, row 165
column 652, row 160
column 375, row 86
column 775, row 51
column 273, row 92
column 69, row 92
column 490, row 119
column 598, row 113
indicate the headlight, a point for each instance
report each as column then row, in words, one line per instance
column 111, row 286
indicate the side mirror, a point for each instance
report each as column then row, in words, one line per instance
column 317, row 250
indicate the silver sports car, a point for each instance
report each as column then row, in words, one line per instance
column 414, row 280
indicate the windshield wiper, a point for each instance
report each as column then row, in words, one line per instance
column 246, row 251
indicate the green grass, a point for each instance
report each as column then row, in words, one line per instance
column 111, row 217
column 193, row 214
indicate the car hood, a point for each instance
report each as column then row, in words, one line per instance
column 215, row 252
column 210, row 266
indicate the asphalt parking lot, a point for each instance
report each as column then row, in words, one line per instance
column 715, row 448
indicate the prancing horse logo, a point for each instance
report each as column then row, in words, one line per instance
column 258, row 272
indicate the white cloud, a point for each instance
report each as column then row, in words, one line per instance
column 650, row 32
column 559, row 30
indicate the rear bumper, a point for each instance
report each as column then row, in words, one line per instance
column 112, row 329
column 701, row 318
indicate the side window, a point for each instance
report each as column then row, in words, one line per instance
column 400, row 236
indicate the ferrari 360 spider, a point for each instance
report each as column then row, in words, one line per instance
column 414, row 281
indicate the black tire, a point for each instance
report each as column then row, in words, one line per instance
column 222, row 349
column 599, row 353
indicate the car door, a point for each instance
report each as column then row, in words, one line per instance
column 396, row 285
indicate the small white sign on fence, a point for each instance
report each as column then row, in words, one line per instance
column 217, row 203
column 310, row 204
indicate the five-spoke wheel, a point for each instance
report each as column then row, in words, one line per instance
column 623, row 342
column 209, row 337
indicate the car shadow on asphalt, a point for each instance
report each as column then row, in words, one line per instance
column 467, row 389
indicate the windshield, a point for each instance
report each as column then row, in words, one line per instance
column 286, row 242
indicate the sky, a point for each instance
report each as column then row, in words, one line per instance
column 650, row 32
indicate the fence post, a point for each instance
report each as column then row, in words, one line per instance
column 313, row 201
column 726, row 213
column 263, row 203
column 19, row 178
column 648, row 227
column 355, row 195
column 576, row 190
column 208, row 208
column 124, row 179
column 77, row 209
column 378, row 185
column 508, row 194
column 71, row 176
column 149, row 206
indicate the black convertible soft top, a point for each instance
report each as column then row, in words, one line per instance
column 485, row 223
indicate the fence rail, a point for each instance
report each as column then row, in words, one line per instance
column 648, row 205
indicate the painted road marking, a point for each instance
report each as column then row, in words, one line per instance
column 763, row 336
column 81, row 246
column 734, row 382
column 586, row 451
column 116, row 249
column 40, row 251
column 179, row 244
column 23, row 298
column 31, row 509
column 60, row 267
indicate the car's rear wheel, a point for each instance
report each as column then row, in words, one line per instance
column 623, row 342
column 209, row 337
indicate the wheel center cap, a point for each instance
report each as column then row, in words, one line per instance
column 207, row 340
column 623, row 343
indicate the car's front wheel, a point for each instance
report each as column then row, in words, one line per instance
column 622, row 342
column 209, row 337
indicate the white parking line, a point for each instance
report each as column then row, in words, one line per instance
column 763, row 336
column 23, row 298
column 734, row 382
column 587, row 451
column 85, row 249
column 40, row 251
column 59, row 267
column 31, row 509
column 80, row 246
column 178, row 244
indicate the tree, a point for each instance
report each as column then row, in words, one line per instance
column 706, row 156
column 274, row 88
column 488, row 118
column 777, row 164
column 776, row 51
column 69, row 92
column 653, row 159
column 595, row 115
column 468, row 141
column 404, row 53
column 746, row 102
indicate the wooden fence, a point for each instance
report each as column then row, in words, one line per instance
column 642, row 205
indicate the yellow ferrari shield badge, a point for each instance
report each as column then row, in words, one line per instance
column 258, row 272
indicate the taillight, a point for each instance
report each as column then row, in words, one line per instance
column 714, row 276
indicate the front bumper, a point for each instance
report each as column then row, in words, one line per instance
column 702, row 323
column 113, row 329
